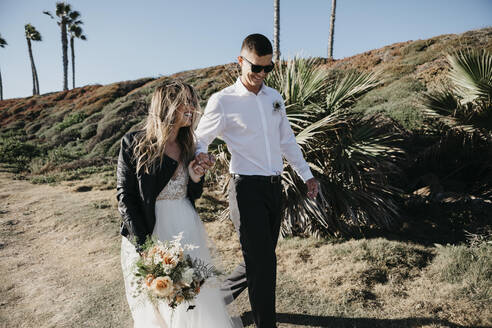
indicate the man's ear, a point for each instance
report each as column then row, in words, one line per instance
column 240, row 60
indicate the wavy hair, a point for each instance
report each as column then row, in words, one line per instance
column 150, row 144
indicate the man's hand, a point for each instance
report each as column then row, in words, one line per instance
column 312, row 188
column 206, row 161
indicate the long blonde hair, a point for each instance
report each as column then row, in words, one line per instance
column 150, row 144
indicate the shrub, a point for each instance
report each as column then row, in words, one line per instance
column 71, row 120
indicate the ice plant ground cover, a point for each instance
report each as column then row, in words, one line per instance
column 165, row 272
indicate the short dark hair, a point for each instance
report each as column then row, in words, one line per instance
column 257, row 43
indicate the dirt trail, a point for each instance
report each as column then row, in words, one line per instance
column 59, row 257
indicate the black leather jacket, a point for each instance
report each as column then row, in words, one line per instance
column 137, row 193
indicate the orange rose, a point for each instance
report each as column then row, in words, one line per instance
column 162, row 286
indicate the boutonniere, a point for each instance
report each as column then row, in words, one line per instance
column 277, row 106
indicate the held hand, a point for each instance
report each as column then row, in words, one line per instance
column 312, row 188
column 206, row 161
column 195, row 171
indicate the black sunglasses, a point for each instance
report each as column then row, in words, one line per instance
column 259, row 68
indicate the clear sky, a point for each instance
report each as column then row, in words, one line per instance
column 132, row 39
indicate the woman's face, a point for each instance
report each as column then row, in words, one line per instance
column 184, row 116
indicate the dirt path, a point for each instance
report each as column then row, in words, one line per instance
column 60, row 252
column 60, row 257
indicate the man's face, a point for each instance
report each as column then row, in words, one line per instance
column 249, row 78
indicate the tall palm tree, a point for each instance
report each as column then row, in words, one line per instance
column 332, row 29
column 276, row 30
column 32, row 35
column 75, row 31
column 63, row 13
column 3, row 43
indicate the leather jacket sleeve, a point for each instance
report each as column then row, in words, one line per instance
column 195, row 189
column 129, row 202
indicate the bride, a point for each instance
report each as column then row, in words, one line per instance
column 157, row 184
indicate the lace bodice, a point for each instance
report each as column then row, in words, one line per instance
column 176, row 187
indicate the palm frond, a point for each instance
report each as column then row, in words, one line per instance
column 49, row 14
column 3, row 43
column 300, row 81
column 472, row 74
column 343, row 92
column 31, row 33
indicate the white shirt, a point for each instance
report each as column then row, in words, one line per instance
column 255, row 128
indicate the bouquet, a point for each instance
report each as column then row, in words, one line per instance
column 166, row 273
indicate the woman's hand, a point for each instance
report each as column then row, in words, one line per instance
column 195, row 170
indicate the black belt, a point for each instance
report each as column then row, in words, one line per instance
column 265, row 178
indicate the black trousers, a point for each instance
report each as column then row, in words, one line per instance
column 255, row 209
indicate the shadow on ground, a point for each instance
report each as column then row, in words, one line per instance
column 337, row 322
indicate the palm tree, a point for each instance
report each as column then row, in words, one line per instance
column 3, row 43
column 32, row 35
column 332, row 29
column 463, row 113
column 467, row 105
column 75, row 32
column 276, row 30
column 63, row 12
column 350, row 154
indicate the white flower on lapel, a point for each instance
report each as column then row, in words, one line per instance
column 277, row 106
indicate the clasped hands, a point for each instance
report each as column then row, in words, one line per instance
column 200, row 165
column 204, row 162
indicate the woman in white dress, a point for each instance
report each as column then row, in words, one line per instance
column 157, row 183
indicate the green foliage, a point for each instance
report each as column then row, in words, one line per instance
column 397, row 100
column 18, row 153
column 71, row 120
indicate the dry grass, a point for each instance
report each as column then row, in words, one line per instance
column 60, row 268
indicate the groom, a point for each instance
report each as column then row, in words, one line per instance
column 250, row 117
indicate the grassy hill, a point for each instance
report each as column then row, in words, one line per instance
column 83, row 125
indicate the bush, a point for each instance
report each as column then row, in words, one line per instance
column 88, row 131
column 71, row 120
column 17, row 153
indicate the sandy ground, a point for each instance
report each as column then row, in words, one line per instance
column 60, row 267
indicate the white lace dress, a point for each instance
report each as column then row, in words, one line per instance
column 175, row 214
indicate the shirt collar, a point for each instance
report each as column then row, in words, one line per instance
column 241, row 89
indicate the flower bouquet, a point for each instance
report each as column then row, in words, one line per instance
column 166, row 273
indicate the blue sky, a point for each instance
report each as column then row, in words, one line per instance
column 133, row 39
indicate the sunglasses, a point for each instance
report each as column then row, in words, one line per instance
column 259, row 68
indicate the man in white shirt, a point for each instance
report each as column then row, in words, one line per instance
column 251, row 118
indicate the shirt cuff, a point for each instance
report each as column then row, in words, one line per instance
column 306, row 174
